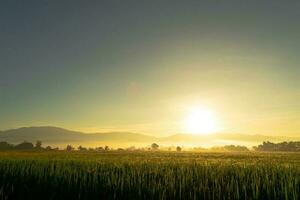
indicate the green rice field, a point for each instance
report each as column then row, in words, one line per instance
column 149, row 175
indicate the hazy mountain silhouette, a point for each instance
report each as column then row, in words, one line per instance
column 55, row 135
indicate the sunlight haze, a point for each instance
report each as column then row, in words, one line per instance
column 105, row 67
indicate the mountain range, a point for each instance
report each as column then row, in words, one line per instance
column 59, row 137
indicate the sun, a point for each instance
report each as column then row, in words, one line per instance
column 200, row 121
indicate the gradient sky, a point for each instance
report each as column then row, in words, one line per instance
column 137, row 65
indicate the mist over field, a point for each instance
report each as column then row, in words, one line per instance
column 59, row 137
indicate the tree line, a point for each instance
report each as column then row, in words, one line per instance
column 293, row 146
column 282, row 146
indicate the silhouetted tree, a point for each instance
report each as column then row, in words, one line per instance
column 99, row 149
column 229, row 148
column 48, row 148
column 178, row 149
column 154, row 146
column 6, row 146
column 106, row 148
column 131, row 148
column 69, row 147
column 235, row 148
column 283, row 146
column 81, row 148
column 24, row 146
column 38, row 144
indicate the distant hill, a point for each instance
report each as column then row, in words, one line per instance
column 55, row 135
column 49, row 134
column 59, row 136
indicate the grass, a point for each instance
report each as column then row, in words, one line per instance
column 149, row 175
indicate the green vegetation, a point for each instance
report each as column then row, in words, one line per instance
column 148, row 175
column 293, row 146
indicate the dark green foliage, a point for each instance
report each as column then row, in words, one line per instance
column 38, row 145
column 81, row 148
column 154, row 146
column 24, row 146
column 148, row 175
column 6, row 146
column 236, row 148
column 69, row 148
column 283, row 146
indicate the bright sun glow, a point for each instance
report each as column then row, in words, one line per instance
column 200, row 120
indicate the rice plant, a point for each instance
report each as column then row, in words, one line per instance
column 149, row 175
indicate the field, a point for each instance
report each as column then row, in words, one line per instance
column 149, row 175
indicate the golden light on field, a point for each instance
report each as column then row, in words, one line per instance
column 200, row 120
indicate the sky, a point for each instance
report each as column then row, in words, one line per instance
column 138, row 66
